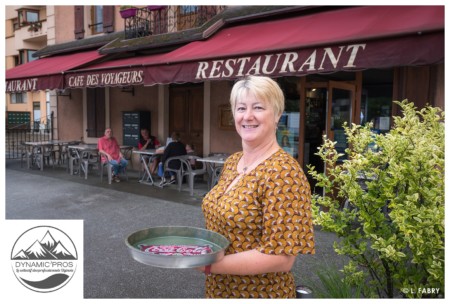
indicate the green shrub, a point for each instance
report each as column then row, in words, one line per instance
column 332, row 284
column 393, row 228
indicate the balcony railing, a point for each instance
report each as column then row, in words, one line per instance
column 155, row 20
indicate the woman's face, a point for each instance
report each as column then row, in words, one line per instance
column 254, row 120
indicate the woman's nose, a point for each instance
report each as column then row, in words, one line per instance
column 248, row 114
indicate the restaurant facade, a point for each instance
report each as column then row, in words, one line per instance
column 334, row 64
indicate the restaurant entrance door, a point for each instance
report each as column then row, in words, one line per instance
column 327, row 105
column 186, row 114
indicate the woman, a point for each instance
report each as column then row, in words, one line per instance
column 261, row 203
column 174, row 148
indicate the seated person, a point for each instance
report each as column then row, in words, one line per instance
column 190, row 151
column 175, row 148
column 148, row 141
column 110, row 151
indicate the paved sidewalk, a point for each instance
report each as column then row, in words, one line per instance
column 110, row 213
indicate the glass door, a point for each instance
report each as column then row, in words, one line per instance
column 340, row 109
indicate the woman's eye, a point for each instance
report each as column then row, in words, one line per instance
column 240, row 109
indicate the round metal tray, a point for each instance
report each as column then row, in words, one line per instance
column 176, row 235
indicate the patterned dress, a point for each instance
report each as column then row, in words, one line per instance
column 269, row 210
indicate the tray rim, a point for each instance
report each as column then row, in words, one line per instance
column 135, row 252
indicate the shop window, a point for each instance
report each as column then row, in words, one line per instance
column 289, row 124
column 96, row 25
column 19, row 97
column 376, row 99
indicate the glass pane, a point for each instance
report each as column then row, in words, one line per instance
column 187, row 9
column 341, row 108
column 32, row 16
column 289, row 124
column 30, row 55
column 376, row 99
column 98, row 19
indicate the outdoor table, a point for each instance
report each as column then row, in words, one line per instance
column 146, row 157
column 213, row 162
column 38, row 147
column 83, row 151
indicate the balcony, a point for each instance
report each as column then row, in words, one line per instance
column 155, row 20
column 31, row 32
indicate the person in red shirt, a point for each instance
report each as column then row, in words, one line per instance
column 146, row 142
column 110, row 151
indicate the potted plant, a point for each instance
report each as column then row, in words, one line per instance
column 127, row 11
column 34, row 27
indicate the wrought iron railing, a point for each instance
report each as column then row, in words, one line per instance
column 31, row 131
column 155, row 20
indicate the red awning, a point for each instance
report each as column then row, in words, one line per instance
column 345, row 39
column 46, row 73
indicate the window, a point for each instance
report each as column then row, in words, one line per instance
column 96, row 25
column 30, row 55
column 28, row 16
column 96, row 112
column 26, row 56
column 376, row 99
column 188, row 9
column 18, row 97
column 289, row 123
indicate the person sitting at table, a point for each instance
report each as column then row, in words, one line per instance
column 148, row 141
column 174, row 148
column 110, row 152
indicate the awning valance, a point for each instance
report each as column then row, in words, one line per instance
column 346, row 39
column 46, row 73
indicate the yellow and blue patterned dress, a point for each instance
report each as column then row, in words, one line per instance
column 268, row 209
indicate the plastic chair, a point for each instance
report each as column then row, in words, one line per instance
column 109, row 170
column 25, row 154
column 88, row 159
column 178, row 172
column 191, row 172
column 127, row 152
column 186, row 169
column 73, row 160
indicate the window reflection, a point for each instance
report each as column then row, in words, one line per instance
column 288, row 126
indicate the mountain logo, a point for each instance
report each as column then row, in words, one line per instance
column 44, row 259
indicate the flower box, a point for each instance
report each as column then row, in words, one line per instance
column 128, row 13
column 156, row 7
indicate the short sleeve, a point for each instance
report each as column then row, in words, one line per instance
column 287, row 221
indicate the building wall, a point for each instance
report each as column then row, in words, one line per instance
column 70, row 116
column 64, row 15
column 222, row 141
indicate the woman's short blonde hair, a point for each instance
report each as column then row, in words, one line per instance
column 264, row 88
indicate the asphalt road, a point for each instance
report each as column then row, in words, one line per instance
column 110, row 216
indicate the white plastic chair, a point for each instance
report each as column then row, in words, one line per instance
column 109, row 170
column 186, row 169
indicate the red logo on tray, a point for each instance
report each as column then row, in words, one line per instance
column 176, row 249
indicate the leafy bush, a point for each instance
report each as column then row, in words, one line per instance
column 332, row 284
column 393, row 226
